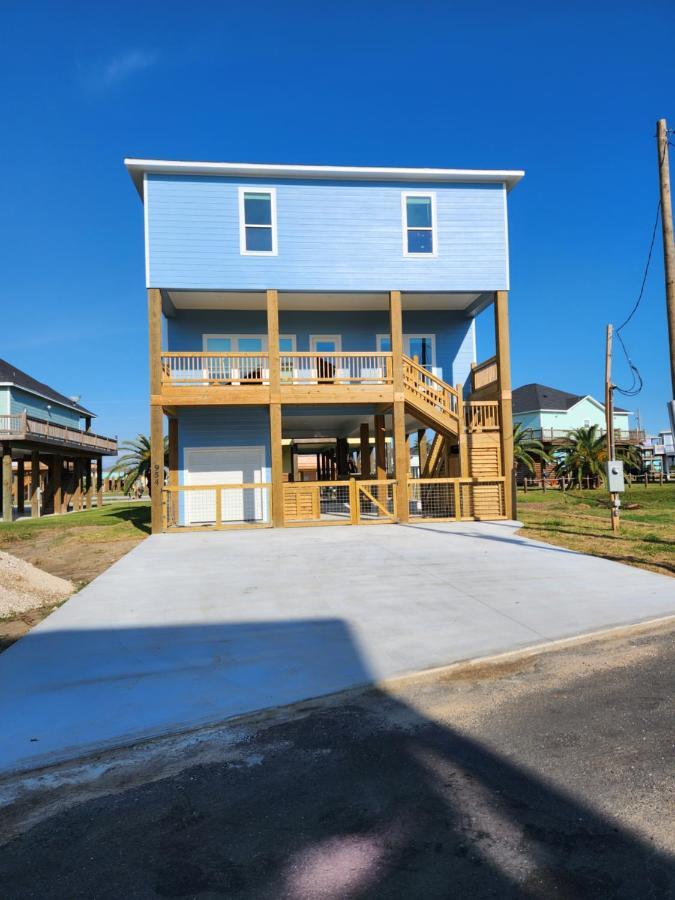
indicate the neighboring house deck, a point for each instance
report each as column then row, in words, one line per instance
column 334, row 305
column 51, row 459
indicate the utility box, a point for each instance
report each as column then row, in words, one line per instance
column 615, row 483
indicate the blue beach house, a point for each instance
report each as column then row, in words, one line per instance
column 311, row 328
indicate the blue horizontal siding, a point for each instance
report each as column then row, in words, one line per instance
column 359, row 330
column 332, row 236
column 37, row 407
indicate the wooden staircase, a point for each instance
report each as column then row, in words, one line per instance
column 430, row 399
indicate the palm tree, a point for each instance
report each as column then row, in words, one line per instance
column 527, row 450
column 583, row 455
column 135, row 464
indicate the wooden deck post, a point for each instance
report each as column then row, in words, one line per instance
column 501, row 304
column 99, row 482
column 462, row 437
column 57, row 470
column 380, row 449
column 20, row 486
column 88, row 489
column 365, row 450
column 401, row 450
column 276, row 452
column 7, row 482
column 156, row 414
column 173, row 498
column 77, row 491
column 35, row 483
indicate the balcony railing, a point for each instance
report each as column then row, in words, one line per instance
column 550, row 435
column 25, row 427
column 185, row 369
column 484, row 374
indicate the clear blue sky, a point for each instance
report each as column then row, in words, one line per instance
column 568, row 91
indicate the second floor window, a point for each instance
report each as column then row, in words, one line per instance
column 257, row 222
column 419, row 214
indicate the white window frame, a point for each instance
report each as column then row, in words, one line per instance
column 235, row 337
column 406, row 344
column 336, row 338
column 257, row 189
column 433, row 229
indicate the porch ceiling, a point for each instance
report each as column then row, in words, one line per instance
column 317, row 301
column 322, row 426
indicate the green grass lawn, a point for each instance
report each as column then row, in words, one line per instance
column 128, row 519
column 580, row 520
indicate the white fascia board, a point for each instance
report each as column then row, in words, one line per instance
column 137, row 168
column 20, row 387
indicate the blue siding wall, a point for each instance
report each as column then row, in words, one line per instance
column 332, row 236
column 37, row 406
column 359, row 330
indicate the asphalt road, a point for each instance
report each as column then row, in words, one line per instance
column 548, row 777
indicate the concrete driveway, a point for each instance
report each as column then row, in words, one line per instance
column 192, row 629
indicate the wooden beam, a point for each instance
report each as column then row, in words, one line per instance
column 273, row 345
column 156, row 416
column 401, row 449
column 88, row 490
column 401, row 461
column 57, row 471
column 35, row 484
column 277, row 466
column 99, row 481
column 156, row 467
column 7, row 482
column 365, row 450
column 461, row 437
column 380, row 448
column 422, row 449
column 504, row 395
column 173, row 499
column 20, row 486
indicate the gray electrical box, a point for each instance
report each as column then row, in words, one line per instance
column 615, row 476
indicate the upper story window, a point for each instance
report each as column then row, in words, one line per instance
column 257, row 222
column 419, row 224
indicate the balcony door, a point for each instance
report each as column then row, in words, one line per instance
column 324, row 368
column 422, row 346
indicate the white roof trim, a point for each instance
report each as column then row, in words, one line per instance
column 138, row 167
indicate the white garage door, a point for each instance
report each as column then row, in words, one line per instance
column 225, row 465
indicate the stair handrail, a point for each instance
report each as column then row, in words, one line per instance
column 432, row 389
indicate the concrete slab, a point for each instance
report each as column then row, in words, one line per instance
column 193, row 629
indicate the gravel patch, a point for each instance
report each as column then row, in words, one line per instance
column 24, row 586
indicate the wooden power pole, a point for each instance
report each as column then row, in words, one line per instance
column 609, row 422
column 668, row 244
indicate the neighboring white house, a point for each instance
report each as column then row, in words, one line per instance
column 658, row 452
column 550, row 413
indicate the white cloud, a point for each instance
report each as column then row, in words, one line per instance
column 120, row 68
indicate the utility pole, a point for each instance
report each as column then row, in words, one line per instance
column 668, row 244
column 609, row 424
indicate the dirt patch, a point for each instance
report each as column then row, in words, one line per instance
column 23, row 586
column 79, row 554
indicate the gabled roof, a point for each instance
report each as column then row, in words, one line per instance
column 138, row 167
column 531, row 397
column 9, row 374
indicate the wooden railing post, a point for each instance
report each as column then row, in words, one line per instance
column 461, row 435
column 353, row 502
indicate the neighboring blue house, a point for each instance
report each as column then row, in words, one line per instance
column 47, row 446
column 325, row 310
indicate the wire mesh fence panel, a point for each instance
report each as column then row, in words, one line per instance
column 334, row 502
column 217, row 506
column 376, row 501
column 433, row 500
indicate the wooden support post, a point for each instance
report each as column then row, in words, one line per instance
column 156, row 415
column 77, row 492
column 20, row 486
column 88, row 485
column 35, row 484
column 501, row 305
column 353, row 502
column 380, row 448
column 277, row 463
column 173, row 497
column 99, row 481
column 365, row 450
column 6, row 482
column 462, row 436
column 401, row 450
column 57, row 494
column 422, row 450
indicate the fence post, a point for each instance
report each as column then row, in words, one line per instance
column 353, row 502
column 219, row 507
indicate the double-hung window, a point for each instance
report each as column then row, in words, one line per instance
column 257, row 222
column 419, row 224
